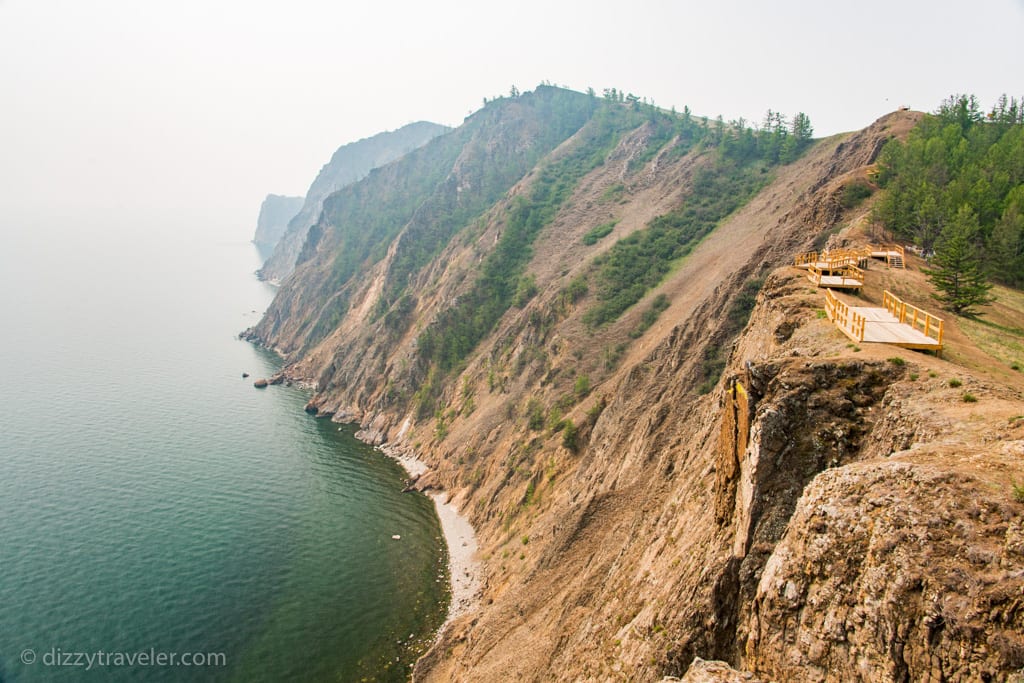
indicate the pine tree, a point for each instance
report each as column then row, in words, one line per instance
column 958, row 276
column 1005, row 246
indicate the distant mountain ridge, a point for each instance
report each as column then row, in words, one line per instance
column 275, row 213
column 350, row 163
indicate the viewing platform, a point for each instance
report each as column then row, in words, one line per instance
column 845, row 277
column 894, row 255
column 834, row 260
column 896, row 322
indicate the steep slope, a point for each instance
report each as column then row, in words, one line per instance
column 275, row 213
column 632, row 514
column 348, row 164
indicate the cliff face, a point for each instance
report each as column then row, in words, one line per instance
column 817, row 512
column 349, row 163
column 275, row 212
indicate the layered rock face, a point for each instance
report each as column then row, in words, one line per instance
column 349, row 163
column 275, row 212
column 650, row 492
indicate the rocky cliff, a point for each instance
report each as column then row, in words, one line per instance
column 348, row 164
column 275, row 213
column 678, row 482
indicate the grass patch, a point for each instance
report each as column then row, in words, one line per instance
column 954, row 383
column 1005, row 343
column 969, row 397
column 1018, row 492
column 897, row 361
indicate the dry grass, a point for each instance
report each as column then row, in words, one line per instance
column 999, row 332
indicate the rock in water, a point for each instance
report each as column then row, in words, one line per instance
column 260, row 384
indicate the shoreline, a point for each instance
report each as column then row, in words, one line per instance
column 459, row 535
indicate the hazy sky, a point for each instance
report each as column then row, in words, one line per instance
column 200, row 108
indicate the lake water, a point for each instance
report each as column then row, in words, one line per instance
column 151, row 500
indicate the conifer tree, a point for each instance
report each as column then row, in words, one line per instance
column 1006, row 243
column 958, row 275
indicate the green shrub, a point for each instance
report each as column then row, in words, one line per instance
column 969, row 398
column 440, row 427
column 575, row 290
column 582, row 387
column 897, row 361
column 954, row 383
column 854, row 193
column 596, row 233
column 535, row 415
column 612, row 355
column 526, row 289
column 613, row 192
column 570, row 436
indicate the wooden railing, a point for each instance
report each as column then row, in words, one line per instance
column 850, row 275
column 837, row 258
column 843, row 316
column 808, row 257
column 890, row 250
column 918, row 318
column 898, row 248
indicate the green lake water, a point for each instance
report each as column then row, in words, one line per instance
column 151, row 500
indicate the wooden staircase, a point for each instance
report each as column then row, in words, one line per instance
column 894, row 255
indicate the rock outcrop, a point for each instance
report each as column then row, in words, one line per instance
column 275, row 212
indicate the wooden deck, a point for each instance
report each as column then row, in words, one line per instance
column 897, row 323
column 847, row 277
column 831, row 260
column 894, row 255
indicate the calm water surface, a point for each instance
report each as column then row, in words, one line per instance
column 150, row 498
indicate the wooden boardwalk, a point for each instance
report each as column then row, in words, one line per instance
column 847, row 277
column 831, row 260
column 897, row 323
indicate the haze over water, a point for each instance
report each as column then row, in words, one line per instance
column 152, row 498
